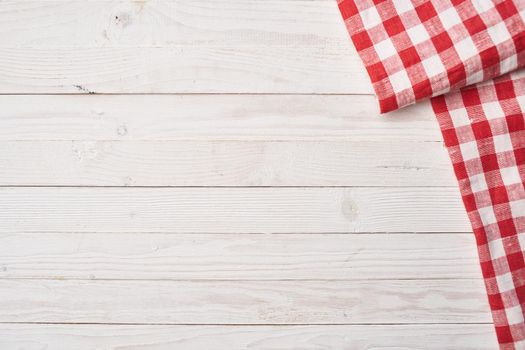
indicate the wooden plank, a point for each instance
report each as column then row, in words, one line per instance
column 211, row 117
column 244, row 302
column 177, row 47
column 238, row 256
column 348, row 337
column 165, row 23
column 224, row 163
column 232, row 210
column 191, row 69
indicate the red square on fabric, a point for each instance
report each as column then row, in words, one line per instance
column 394, row 26
column 470, row 202
column 409, row 56
column 520, row 290
column 505, row 90
column 495, row 301
column 519, row 154
column 506, row 9
column 489, row 57
column 377, row 72
column 515, row 122
column 426, row 11
column 516, row 262
column 390, row 101
column 504, row 334
column 498, row 195
column 422, row 89
column 488, row 269
column 489, row 162
column 362, row 40
column 470, row 97
column 474, row 25
column 482, row 130
column 450, row 137
column 507, row 227
column 442, row 42
column 348, row 8
column 460, row 170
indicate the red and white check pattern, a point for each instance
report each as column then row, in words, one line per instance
column 484, row 130
column 414, row 49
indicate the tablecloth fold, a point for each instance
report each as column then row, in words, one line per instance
column 468, row 56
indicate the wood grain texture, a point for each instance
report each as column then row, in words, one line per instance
column 232, row 210
column 224, row 163
column 348, row 337
column 204, row 127
column 256, row 302
column 238, row 256
column 165, row 23
column 191, row 69
column 211, row 117
column 178, row 47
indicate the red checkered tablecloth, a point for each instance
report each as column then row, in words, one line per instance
column 414, row 49
column 460, row 51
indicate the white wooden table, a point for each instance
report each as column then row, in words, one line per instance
column 215, row 175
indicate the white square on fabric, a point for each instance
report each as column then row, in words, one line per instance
column 403, row 6
column 449, row 18
column 505, row 282
column 514, row 316
column 487, row 215
column 517, row 208
column 400, row 81
column 473, row 78
column 508, row 64
column 510, row 175
column 478, row 183
column 469, row 150
column 370, row 17
column 418, row 34
column 496, row 248
column 466, row 48
column 433, row 66
column 385, row 49
column 482, row 5
column 521, row 101
column 502, row 143
column 499, row 33
column 459, row 117
column 521, row 240
column 493, row 110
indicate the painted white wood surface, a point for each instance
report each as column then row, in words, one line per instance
column 155, row 256
column 232, row 46
column 225, row 163
column 210, row 118
column 244, row 302
column 215, row 174
column 317, row 337
column 231, row 210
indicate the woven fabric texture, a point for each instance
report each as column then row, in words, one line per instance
column 415, row 49
column 468, row 54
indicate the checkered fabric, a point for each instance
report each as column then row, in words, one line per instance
column 414, row 49
column 484, row 131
